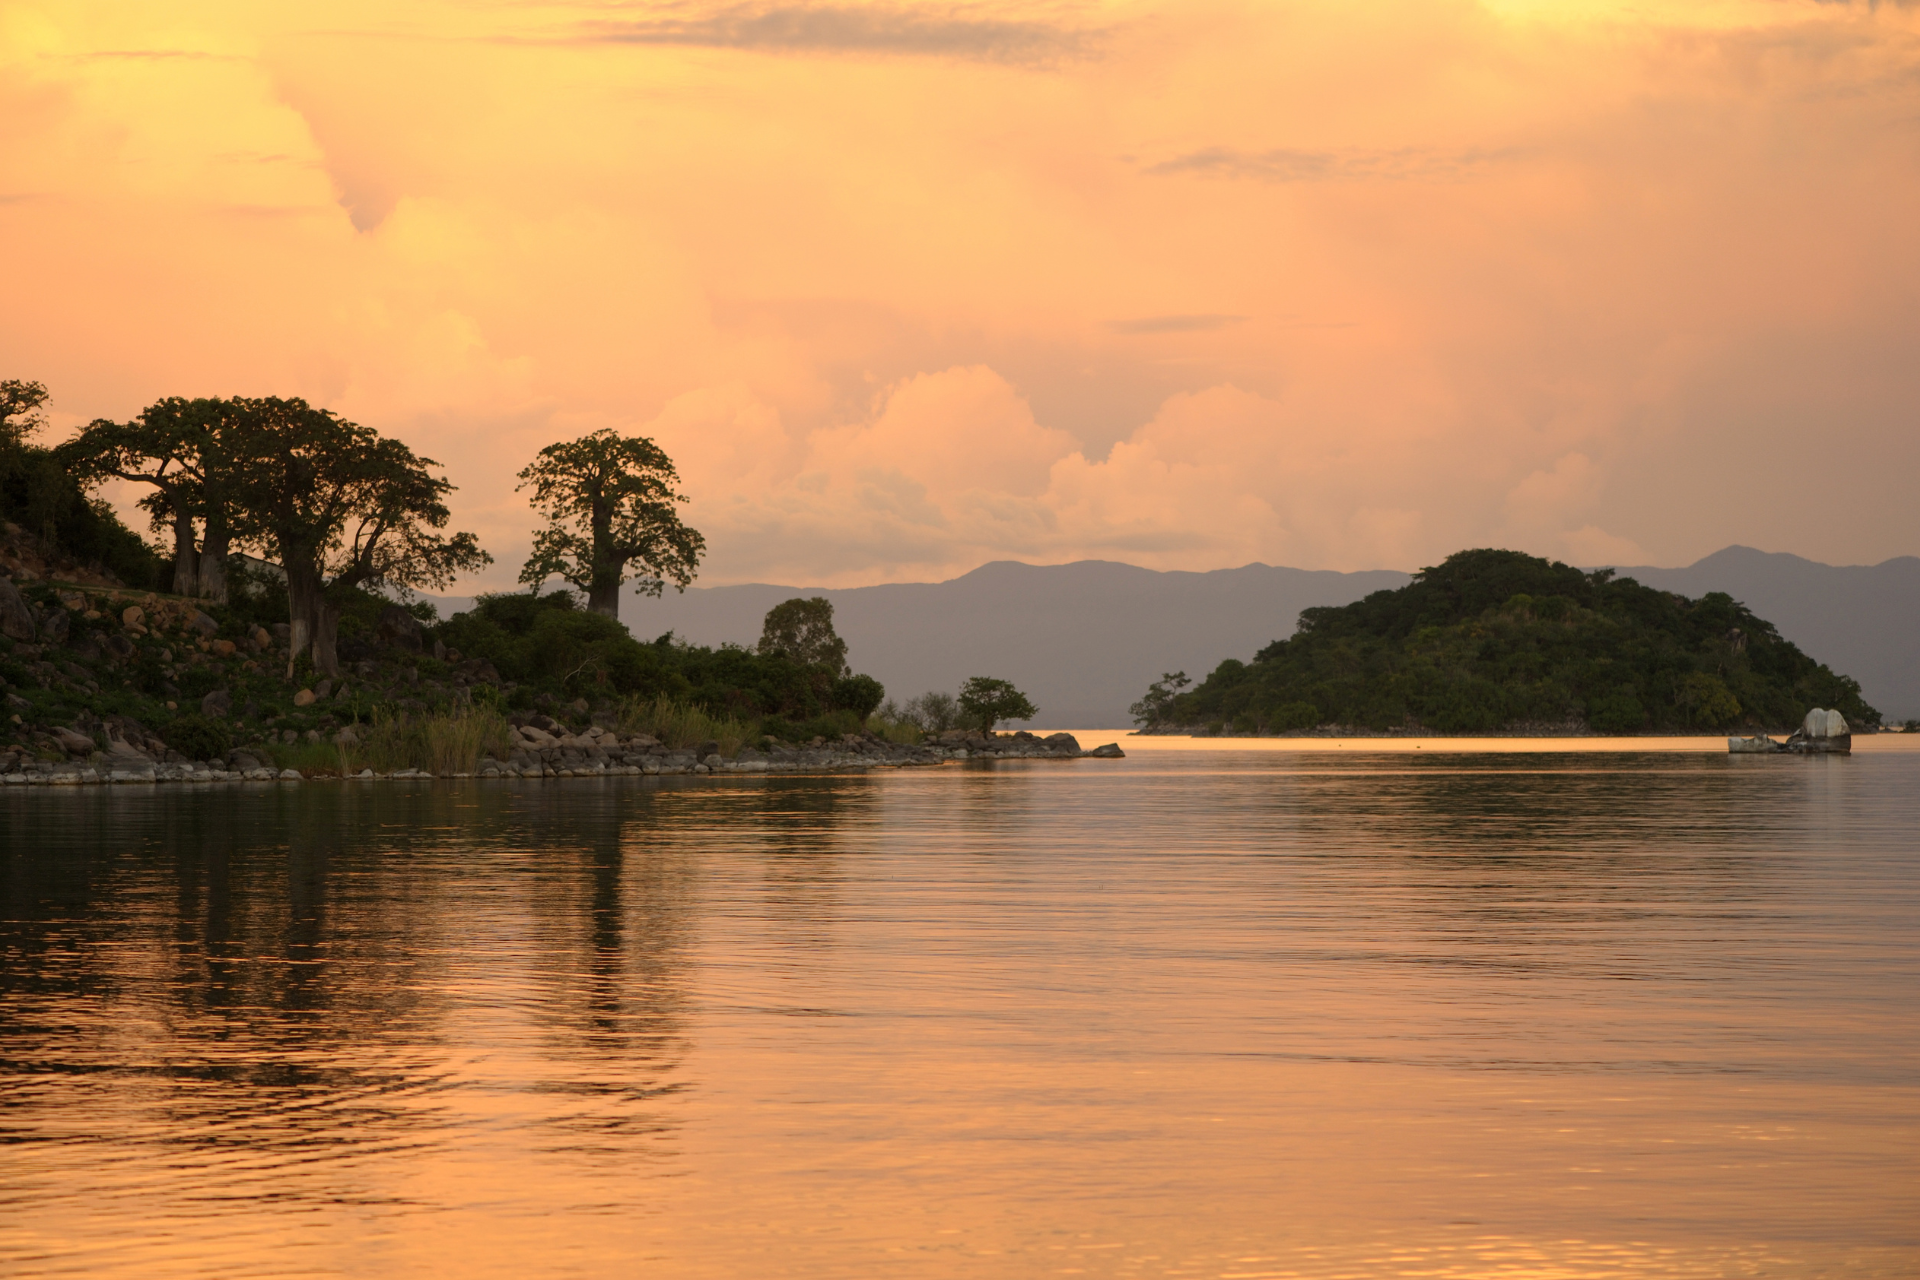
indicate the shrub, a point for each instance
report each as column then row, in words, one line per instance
column 1293, row 716
column 198, row 738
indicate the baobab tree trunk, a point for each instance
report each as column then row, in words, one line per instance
column 326, row 640
column 604, row 595
column 186, row 561
column 304, row 603
column 213, row 561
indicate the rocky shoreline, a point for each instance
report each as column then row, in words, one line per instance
column 594, row 753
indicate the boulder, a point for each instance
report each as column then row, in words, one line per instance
column 400, row 629
column 223, row 648
column 1111, row 751
column 73, row 741
column 118, row 645
column 1060, row 742
column 202, row 623
column 1824, row 724
column 304, row 698
column 347, row 737
column 56, row 626
column 217, row 705
column 16, row 620
column 132, row 616
column 323, row 689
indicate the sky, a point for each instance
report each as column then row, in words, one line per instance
column 906, row 288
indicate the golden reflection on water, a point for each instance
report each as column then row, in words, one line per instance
column 1219, row 1013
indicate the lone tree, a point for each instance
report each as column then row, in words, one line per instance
column 180, row 448
column 340, row 507
column 609, row 502
column 803, row 631
column 987, row 702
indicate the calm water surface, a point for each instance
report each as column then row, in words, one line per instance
column 1199, row 1013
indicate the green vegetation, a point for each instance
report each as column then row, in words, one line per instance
column 986, row 702
column 53, row 521
column 1491, row 640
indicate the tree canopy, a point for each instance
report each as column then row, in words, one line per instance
column 610, row 506
column 986, row 702
column 1491, row 639
column 179, row 448
column 340, row 507
column 803, row 630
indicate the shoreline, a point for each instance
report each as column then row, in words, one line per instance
column 589, row 761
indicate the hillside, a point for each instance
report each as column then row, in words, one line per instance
column 1499, row 640
column 1860, row 619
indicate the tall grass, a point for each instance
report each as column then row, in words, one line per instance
column 681, row 726
column 439, row 742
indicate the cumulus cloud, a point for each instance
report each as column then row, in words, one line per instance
column 1622, row 287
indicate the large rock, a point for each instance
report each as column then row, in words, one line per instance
column 56, row 626
column 204, row 624
column 1824, row 724
column 1111, row 751
column 74, row 742
column 16, row 620
column 218, row 705
column 400, row 629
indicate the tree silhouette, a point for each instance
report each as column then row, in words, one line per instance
column 609, row 502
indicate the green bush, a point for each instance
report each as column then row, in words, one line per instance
column 1292, row 716
column 198, row 738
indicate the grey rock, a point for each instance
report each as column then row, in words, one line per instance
column 1111, row 751
column 55, row 627
column 400, row 629
column 1061, row 742
column 217, row 705
column 204, row 624
column 73, row 741
column 323, row 689
column 16, row 620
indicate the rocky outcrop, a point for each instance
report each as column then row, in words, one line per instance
column 16, row 620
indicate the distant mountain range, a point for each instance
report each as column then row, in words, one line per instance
column 1084, row 640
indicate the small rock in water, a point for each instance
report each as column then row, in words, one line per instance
column 1110, row 751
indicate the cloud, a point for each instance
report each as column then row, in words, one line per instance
column 852, row 30
column 896, row 315
column 1351, row 165
column 1174, row 324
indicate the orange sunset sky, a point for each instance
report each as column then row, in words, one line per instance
column 906, row 288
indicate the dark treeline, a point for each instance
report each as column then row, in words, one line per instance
column 294, row 539
column 1495, row 640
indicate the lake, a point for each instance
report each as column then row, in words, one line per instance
column 1215, row 1010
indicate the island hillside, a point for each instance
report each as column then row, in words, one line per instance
column 1495, row 641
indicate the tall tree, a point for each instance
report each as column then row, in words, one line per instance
column 986, row 702
column 609, row 501
column 179, row 448
column 342, row 508
column 803, row 630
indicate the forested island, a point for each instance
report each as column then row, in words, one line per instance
column 277, row 628
column 1494, row 641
